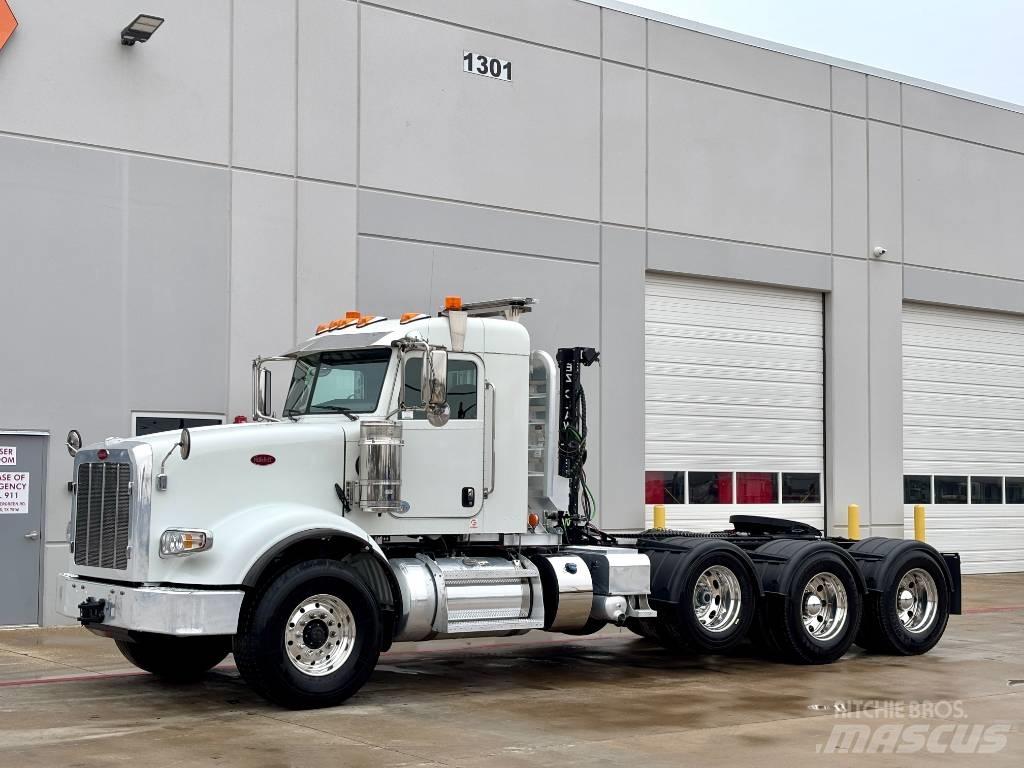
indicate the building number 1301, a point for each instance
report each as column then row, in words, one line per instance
column 488, row 66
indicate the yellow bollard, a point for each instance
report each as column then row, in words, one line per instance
column 919, row 522
column 659, row 517
column 853, row 521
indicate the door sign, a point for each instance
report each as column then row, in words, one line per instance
column 14, row 493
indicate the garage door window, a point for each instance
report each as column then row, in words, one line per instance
column 757, row 487
column 801, row 488
column 950, row 489
column 986, row 490
column 917, row 489
column 710, row 487
column 665, row 487
column 1015, row 490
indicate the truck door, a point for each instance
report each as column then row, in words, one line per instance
column 443, row 467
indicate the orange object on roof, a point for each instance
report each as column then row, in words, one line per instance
column 7, row 22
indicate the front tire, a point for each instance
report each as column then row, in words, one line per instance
column 311, row 637
column 175, row 659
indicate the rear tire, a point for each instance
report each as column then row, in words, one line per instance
column 716, row 606
column 818, row 620
column 909, row 616
column 175, row 659
column 314, row 613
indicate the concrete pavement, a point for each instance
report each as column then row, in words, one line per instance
column 68, row 698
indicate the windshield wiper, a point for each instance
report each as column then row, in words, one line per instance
column 337, row 409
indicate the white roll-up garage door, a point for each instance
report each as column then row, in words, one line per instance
column 734, row 402
column 963, row 432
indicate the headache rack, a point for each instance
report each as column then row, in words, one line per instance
column 508, row 309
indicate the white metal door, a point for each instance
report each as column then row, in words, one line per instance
column 22, row 484
column 963, row 432
column 734, row 401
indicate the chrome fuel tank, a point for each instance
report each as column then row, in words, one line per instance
column 459, row 596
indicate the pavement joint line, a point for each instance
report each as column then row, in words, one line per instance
column 994, row 609
column 48, row 661
column 89, row 676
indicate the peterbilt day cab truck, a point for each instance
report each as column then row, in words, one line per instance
column 425, row 479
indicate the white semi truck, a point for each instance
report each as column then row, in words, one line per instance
column 425, row 479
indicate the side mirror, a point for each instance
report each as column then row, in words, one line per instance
column 434, row 386
column 74, row 442
column 184, row 446
column 266, row 400
column 434, row 378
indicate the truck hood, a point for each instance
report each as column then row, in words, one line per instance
column 251, row 438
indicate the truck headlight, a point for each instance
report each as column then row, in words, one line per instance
column 175, row 542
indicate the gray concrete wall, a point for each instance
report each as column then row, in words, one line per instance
column 170, row 210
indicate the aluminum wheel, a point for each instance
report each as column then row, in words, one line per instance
column 717, row 599
column 823, row 608
column 320, row 635
column 917, row 601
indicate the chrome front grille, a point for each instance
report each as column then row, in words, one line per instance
column 103, row 514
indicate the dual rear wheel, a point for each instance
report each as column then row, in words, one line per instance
column 719, row 603
column 909, row 615
column 816, row 621
column 709, row 605
column 821, row 612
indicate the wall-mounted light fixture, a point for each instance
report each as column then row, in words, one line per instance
column 140, row 30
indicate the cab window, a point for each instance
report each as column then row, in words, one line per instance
column 462, row 387
column 344, row 381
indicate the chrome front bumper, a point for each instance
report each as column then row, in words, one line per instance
column 161, row 610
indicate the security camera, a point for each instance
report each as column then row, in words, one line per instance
column 879, row 251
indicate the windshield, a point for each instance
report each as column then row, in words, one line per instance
column 347, row 381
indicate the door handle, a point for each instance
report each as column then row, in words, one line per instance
column 32, row 535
